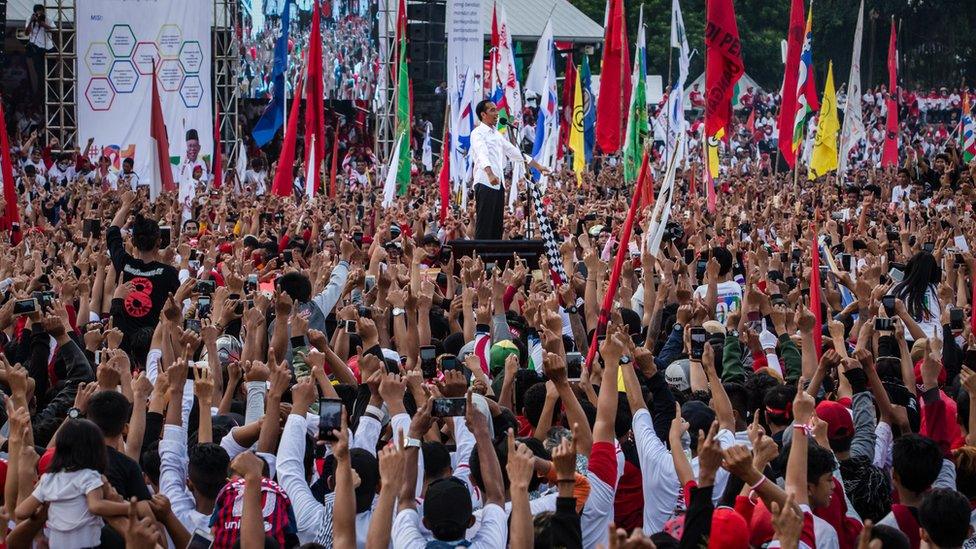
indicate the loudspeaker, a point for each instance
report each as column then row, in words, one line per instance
column 500, row 251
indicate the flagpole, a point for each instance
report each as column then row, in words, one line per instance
column 667, row 101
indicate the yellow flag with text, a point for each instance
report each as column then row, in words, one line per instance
column 824, row 158
column 576, row 140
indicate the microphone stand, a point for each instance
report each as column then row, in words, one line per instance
column 516, row 142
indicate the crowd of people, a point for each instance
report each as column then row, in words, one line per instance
column 792, row 369
column 929, row 122
column 350, row 55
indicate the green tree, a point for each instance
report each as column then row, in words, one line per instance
column 936, row 40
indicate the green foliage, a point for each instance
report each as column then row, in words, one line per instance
column 937, row 39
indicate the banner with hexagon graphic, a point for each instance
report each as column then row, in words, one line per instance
column 118, row 43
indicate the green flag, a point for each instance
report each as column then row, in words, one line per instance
column 403, row 120
column 637, row 125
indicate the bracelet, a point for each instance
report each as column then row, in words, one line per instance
column 760, row 482
column 807, row 430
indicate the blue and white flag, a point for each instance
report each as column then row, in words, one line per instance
column 542, row 80
column 274, row 114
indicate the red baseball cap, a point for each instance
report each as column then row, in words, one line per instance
column 729, row 530
column 840, row 424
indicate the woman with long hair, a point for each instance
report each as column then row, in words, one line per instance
column 918, row 292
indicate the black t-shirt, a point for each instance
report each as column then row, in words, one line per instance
column 153, row 282
column 125, row 475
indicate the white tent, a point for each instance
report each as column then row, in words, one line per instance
column 743, row 84
column 654, row 86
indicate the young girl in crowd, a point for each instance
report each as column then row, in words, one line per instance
column 74, row 488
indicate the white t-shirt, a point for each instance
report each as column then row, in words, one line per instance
column 70, row 524
column 492, row 534
column 729, row 298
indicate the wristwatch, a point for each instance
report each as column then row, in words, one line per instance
column 397, row 311
column 625, row 359
column 572, row 309
column 75, row 413
column 411, row 443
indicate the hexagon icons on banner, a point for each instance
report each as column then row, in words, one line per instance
column 99, row 94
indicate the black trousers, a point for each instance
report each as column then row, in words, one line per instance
column 489, row 212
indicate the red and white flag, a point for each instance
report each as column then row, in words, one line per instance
column 161, row 177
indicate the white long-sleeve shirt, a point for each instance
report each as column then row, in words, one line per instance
column 490, row 149
column 173, row 465
column 313, row 519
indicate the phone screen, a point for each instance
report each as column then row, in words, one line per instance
column 25, row 306
column 165, row 236
column 574, row 366
column 330, row 417
column 698, row 336
column 449, row 407
column 428, row 363
column 956, row 318
column 200, row 540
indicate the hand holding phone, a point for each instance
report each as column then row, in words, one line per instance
column 698, row 337
column 330, row 418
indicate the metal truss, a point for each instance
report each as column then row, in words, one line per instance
column 60, row 76
column 387, row 17
column 226, row 68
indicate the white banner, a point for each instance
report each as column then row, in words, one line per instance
column 118, row 41
column 465, row 42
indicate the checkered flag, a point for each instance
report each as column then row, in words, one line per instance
column 548, row 238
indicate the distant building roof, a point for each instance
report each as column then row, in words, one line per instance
column 528, row 19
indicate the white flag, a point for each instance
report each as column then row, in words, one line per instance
column 241, row 163
column 462, row 123
column 853, row 130
column 676, row 101
column 662, row 207
column 518, row 172
column 310, row 176
column 506, row 69
column 428, row 154
column 536, row 80
column 390, row 185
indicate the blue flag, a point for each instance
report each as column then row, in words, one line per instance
column 589, row 115
column 274, row 114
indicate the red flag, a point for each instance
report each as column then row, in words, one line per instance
column 569, row 87
column 157, row 132
column 612, row 102
column 284, row 176
column 401, row 29
column 787, row 109
column 815, row 289
column 622, row 253
column 444, row 178
column 314, row 96
column 723, row 60
column 10, row 220
column 218, row 167
column 335, row 157
column 889, row 155
column 751, row 123
column 645, row 175
column 692, row 185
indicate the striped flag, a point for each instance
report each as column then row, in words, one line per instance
column 806, row 92
column 968, row 131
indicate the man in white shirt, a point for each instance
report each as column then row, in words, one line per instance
column 489, row 149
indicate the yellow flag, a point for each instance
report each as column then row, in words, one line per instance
column 711, row 143
column 576, row 142
column 824, row 157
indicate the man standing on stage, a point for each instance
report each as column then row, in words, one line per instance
column 489, row 149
